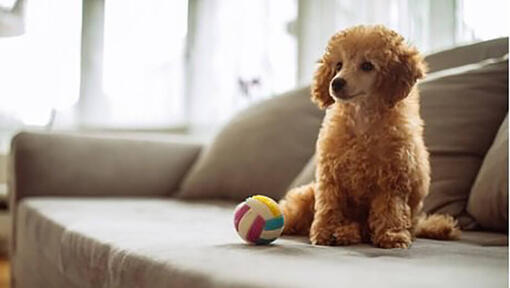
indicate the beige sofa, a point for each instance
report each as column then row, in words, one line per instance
column 111, row 212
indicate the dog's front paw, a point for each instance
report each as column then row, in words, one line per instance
column 322, row 236
column 394, row 239
column 335, row 234
column 347, row 234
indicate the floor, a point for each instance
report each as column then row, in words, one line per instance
column 4, row 273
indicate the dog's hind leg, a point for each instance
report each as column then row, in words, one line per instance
column 298, row 209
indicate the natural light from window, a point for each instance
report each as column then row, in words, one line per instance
column 40, row 69
column 485, row 19
column 144, row 71
column 144, row 59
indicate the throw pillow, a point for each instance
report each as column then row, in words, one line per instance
column 259, row 151
column 488, row 201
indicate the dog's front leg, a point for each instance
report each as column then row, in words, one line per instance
column 329, row 226
column 390, row 221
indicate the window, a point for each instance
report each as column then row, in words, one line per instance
column 143, row 76
column 160, row 64
column 40, row 70
column 240, row 52
column 482, row 20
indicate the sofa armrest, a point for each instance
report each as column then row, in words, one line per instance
column 44, row 164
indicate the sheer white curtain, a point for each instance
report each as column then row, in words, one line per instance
column 482, row 20
column 143, row 71
column 157, row 68
column 40, row 69
column 239, row 52
column 133, row 64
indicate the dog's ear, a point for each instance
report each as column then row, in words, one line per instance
column 405, row 68
column 320, row 85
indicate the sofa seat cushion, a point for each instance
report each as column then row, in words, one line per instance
column 133, row 242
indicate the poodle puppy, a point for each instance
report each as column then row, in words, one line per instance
column 373, row 167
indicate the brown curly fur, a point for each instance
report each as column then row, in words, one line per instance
column 373, row 167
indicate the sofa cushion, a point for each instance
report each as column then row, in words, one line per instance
column 135, row 242
column 462, row 113
column 467, row 54
column 462, row 109
column 306, row 175
column 488, row 201
column 259, row 151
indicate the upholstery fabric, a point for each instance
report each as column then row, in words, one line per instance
column 260, row 151
column 306, row 175
column 72, row 165
column 462, row 109
column 136, row 242
column 488, row 201
column 467, row 54
column 462, row 113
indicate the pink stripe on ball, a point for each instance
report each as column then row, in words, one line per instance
column 239, row 215
column 256, row 229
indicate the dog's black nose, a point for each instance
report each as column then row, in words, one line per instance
column 338, row 84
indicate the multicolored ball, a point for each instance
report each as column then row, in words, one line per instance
column 258, row 220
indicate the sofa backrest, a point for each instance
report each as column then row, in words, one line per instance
column 467, row 54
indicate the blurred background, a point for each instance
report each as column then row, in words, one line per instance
column 185, row 66
column 167, row 67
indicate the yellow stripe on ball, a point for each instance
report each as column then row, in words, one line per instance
column 260, row 207
column 273, row 206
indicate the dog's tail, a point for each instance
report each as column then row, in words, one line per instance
column 437, row 226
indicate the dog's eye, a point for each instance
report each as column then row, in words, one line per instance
column 338, row 66
column 367, row 66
